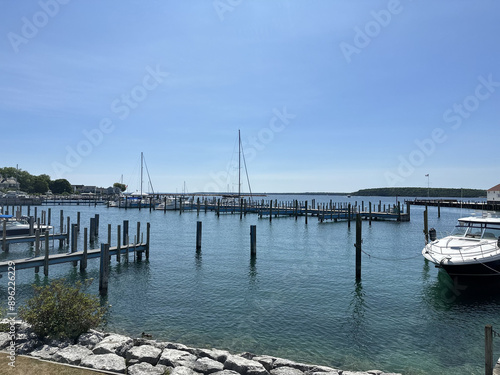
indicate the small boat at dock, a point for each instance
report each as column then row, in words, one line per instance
column 473, row 248
column 18, row 227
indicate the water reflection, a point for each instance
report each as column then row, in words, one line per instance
column 357, row 330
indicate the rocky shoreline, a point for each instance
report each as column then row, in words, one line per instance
column 144, row 356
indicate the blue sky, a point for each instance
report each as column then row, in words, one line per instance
column 329, row 95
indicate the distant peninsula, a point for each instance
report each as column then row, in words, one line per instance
column 421, row 192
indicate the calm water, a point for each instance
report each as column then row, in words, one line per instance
column 299, row 298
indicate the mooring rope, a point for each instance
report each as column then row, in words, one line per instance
column 390, row 259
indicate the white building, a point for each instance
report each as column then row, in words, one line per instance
column 493, row 195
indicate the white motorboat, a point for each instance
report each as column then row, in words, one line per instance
column 18, row 227
column 473, row 248
column 172, row 203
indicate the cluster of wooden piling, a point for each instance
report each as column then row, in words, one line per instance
column 323, row 211
column 90, row 235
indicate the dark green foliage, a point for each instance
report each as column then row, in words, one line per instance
column 422, row 192
column 60, row 186
column 60, row 310
column 122, row 187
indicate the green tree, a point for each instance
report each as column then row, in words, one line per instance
column 60, row 186
column 40, row 185
column 122, row 187
column 59, row 310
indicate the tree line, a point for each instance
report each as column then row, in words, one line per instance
column 37, row 184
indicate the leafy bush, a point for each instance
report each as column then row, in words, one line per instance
column 61, row 311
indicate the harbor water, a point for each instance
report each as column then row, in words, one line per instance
column 298, row 299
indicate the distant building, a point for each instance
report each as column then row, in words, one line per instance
column 8, row 183
column 83, row 189
column 493, row 195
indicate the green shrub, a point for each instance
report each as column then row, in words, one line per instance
column 61, row 311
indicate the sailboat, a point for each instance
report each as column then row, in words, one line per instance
column 137, row 199
column 230, row 198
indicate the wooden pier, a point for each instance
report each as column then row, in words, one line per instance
column 483, row 206
column 324, row 211
column 79, row 256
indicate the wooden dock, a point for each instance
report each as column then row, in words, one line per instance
column 483, row 206
column 78, row 256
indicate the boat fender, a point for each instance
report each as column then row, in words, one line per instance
column 432, row 234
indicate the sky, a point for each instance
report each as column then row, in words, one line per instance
column 329, row 95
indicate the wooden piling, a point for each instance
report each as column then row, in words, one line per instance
column 46, row 259
column 306, row 213
column 92, row 229
column 138, row 232
column 148, row 239
column 349, row 216
column 426, row 225
column 78, row 221
column 104, row 269
column 270, row 210
column 125, row 231
column 358, row 247
column 37, row 247
column 253, row 241
column 439, row 209
column 198, row 235
column 96, row 231
column 68, row 231
column 83, row 261
column 118, row 243
column 370, row 212
column 61, row 226
column 488, row 350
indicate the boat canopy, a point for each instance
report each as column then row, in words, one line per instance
column 6, row 216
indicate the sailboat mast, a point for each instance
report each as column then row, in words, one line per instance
column 141, row 171
column 239, row 163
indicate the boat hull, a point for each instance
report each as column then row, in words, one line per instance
column 484, row 269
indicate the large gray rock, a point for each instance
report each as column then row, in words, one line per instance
column 215, row 354
column 281, row 362
column 207, row 365
column 114, row 344
column 144, row 368
column 265, row 361
column 225, row 372
column 90, row 339
column 5, row 339
column 174, row 358
column 285, row 370
column 72, row 355
column 182, row 370
column 45, row 352
column 323, row 369
column 143, row 353
column 106, row 362
column 244, row 366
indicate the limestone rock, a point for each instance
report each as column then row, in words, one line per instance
column 281, row 362
column 45, row 352
column 225, row 372
column 265, row 361
column 207, row 365
column 285, row 370
column 174, row 358
column 90, row 339
column 215, row 354
column 114, row 344
column 72, row 355
column 183, row 370
column 4, row 340
column 244, row 366
column 106, row 362
column 144, row 368
column 144, row 353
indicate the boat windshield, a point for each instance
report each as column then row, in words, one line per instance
column 477, row 230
